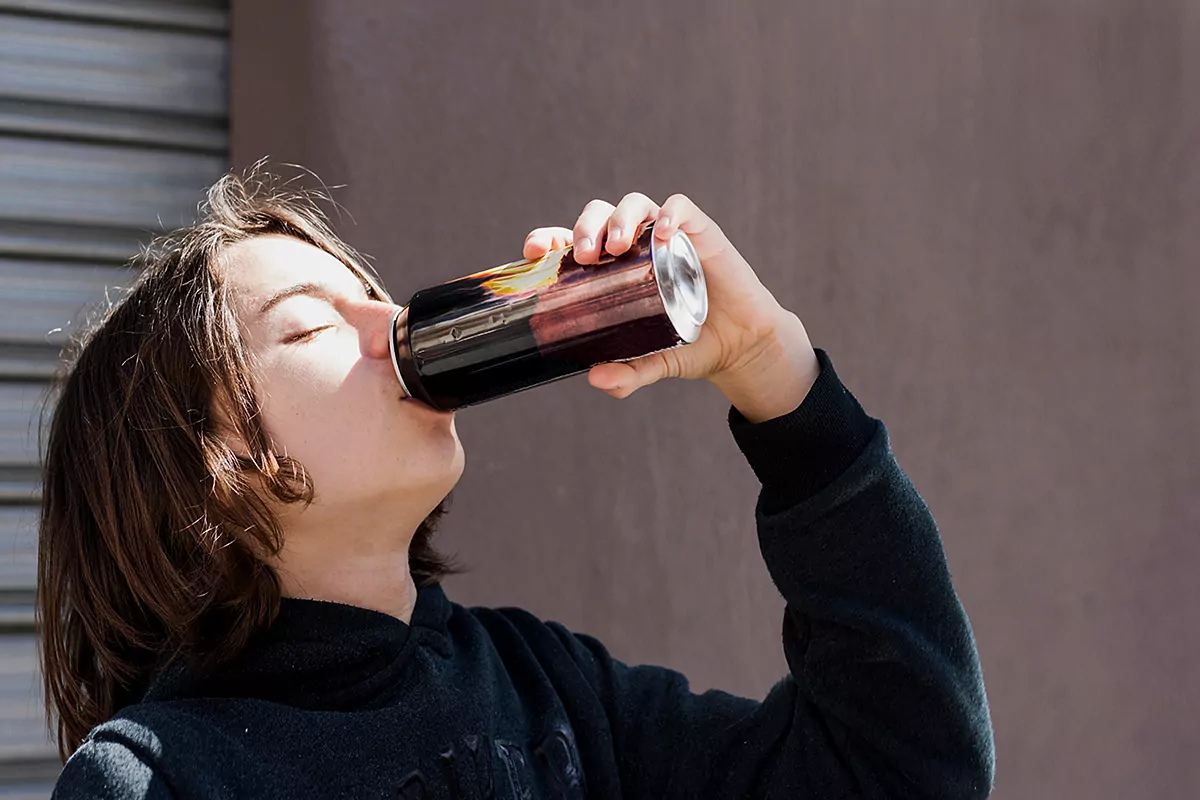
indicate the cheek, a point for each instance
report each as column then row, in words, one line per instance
column 305, row 404
column 326, row 411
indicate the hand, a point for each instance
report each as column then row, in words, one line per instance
column 750, row 347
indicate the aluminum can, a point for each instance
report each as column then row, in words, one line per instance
column 531, row 322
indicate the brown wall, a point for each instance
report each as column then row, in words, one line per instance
column 989, row 214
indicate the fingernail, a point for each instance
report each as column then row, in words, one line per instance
column 583, row 244
column 614, row 234
column 663, row 224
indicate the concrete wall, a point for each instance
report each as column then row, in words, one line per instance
column 988, row 213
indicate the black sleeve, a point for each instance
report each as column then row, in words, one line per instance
column 109, row 767
column 885, row 697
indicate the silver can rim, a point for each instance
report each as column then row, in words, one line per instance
column 681, row 285
column 392, row 350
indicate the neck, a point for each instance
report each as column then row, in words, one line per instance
column 384, row 585
column 361, row 562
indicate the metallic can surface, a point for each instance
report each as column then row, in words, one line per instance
column 529, row 323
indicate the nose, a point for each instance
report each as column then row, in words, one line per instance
column 373, row 319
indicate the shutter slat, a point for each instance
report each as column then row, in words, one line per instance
column 115, row 126
column 76, row 242
column 23, row 732
column 19, row 485
column 107, row 65
column 19, row 404
column 103, row 186
column 43, row 303
column 18, row 548
column 199, row 15
column 26, row 362
column 39, row 790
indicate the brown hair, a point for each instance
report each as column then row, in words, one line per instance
column 153, row 530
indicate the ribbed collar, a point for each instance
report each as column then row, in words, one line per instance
column 318, row 654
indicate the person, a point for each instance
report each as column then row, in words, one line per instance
column 239, row 593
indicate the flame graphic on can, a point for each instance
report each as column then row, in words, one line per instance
column 523, row 277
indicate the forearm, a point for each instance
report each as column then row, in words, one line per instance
column 876, row 637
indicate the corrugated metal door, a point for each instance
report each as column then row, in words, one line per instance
column 113, row 118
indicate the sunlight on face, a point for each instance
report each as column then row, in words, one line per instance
column 326, row 382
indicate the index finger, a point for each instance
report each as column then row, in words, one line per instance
column 542, row 240
column 680, row 213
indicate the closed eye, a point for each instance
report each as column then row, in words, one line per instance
column 299, row 337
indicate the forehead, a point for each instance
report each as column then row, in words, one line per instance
column 258, row 267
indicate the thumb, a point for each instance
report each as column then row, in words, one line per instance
column 622, row 378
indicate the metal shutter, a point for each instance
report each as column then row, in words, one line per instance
column 113, row 119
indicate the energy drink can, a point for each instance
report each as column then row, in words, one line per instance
column 529, row 323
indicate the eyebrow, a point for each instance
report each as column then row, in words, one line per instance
column 308, row 288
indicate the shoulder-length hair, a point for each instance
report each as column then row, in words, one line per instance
column 153, row 531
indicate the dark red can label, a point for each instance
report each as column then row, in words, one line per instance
column 529, row 323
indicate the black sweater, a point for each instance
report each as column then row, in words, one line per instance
column 884, row 696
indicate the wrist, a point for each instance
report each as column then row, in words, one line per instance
column 779, row 376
